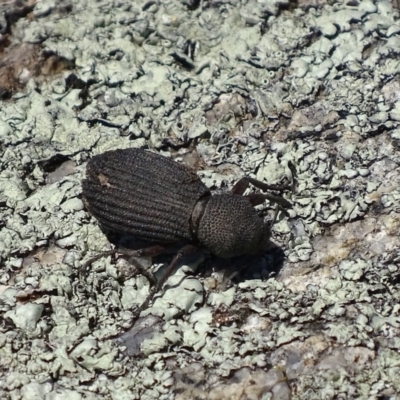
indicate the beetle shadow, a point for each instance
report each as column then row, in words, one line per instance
column 243, row 268
column 236, row 269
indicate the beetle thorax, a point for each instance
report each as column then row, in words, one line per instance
column 229, row 226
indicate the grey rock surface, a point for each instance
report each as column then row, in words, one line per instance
column 232, row 88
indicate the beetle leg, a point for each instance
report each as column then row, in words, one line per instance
column 103, row 254
column 240, row 186
column 259, row 198
column 188, row 249
column 151, row 251
column 255, row 199
column 265, row 187
column 276, row 212
column 140, row 270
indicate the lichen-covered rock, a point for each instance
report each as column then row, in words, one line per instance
column 304, row 93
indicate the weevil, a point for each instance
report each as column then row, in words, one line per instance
column 153, row 198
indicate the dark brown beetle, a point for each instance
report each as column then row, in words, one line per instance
column 153, row 198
